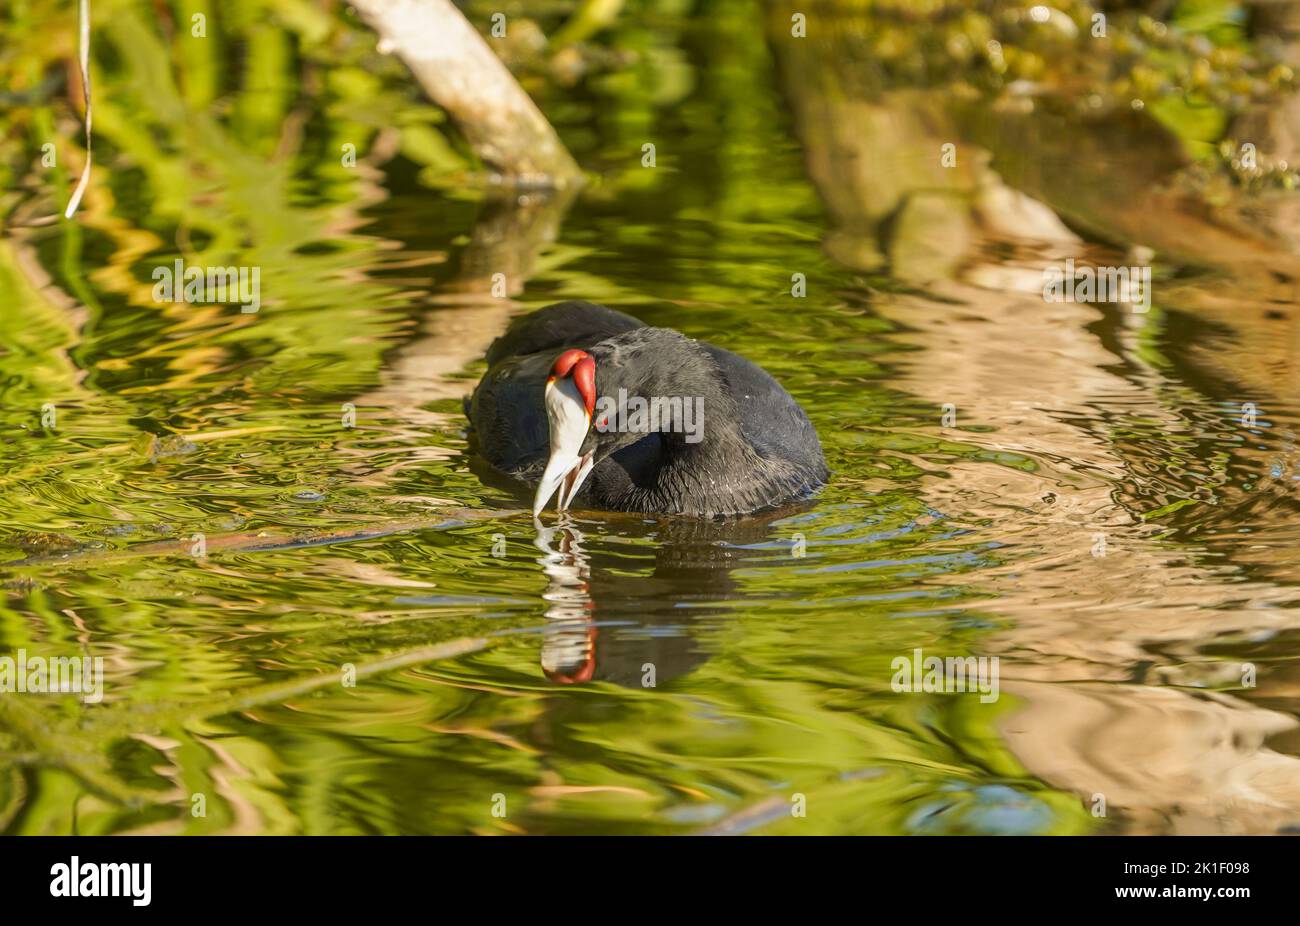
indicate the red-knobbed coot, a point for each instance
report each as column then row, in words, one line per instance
column 610, row 413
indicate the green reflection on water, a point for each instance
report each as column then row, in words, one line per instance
column 333, row 546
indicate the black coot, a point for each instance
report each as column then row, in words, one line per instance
column 610, row 413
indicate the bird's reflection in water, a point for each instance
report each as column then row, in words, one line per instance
column 569, row 639
column 608, row 621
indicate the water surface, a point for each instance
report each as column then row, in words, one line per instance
column 1103, row 499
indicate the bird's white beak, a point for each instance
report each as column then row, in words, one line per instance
column 567, row 468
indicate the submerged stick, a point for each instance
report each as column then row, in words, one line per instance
column 462, row 75
column 279, row 692
column 266, row 541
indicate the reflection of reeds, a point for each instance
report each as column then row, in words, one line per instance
column 68, row 751
column 213, row 190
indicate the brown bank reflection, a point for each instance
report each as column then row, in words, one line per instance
column 475, row 306
column 1152, row 544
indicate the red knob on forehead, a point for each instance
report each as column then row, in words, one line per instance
column 582, row 367
column 564, row 363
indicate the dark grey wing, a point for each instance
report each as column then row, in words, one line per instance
column 770, row 418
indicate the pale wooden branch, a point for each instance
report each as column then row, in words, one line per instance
column 460, row 73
